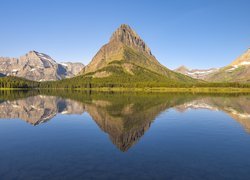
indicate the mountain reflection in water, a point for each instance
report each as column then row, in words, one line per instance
column 124, row 117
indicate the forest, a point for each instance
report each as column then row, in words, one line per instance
column 85, row 82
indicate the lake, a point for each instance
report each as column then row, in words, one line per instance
column 89, row 135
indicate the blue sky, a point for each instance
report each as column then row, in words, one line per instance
column 195, row 33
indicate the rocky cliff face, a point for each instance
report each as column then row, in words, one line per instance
column 71, row 69
column 129, row 37
column 38, row 67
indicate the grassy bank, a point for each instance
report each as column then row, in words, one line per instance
column 162, row 89
column 179, row 90
column 156, row 89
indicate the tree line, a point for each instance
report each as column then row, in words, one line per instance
column 109, row 82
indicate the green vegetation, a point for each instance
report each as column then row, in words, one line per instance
column 122, row 79
column 138, row 78
column 11, row 82
column 231, row 74
column 150, row 63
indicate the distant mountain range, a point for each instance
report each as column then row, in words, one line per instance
column 237, row 71
column 125, row 58
column 38, row 67
column 196, row 73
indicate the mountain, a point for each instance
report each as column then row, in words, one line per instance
column 70, row 69
column 38, row 67
column 237, row 71
column 126, row 54
column 196, row 73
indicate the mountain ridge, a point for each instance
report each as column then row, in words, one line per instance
column 37, row 66
column 196, row 73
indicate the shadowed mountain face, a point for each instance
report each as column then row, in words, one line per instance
column 125, row 118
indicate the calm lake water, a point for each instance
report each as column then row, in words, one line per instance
column 86, row 135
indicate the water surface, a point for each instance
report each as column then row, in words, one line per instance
column 86, row 135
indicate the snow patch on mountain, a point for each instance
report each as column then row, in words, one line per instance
column 196, row 73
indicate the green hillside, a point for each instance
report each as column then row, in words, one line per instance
column 122, row 74
column 231, row 74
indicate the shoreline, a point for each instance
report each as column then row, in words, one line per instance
column 156, row 89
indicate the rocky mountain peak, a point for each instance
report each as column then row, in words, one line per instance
column 122, row 31
column 32, row 52
column 40, row 56
column 129, row 37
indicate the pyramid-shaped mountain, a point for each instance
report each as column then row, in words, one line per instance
column 126, row 54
